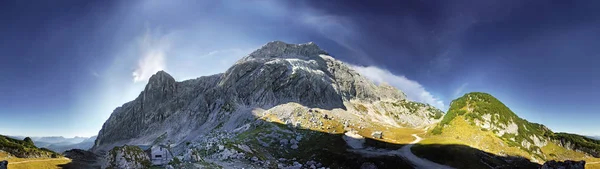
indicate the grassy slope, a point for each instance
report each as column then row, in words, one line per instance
column 37, row 163
column 458, row 127
column 28, row 163
column 578, row 140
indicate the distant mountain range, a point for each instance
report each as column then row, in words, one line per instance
column 60, row 144
column 594, row 137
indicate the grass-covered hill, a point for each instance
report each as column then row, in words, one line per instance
column 578, row 142
column 24, row 148
column 482, row 121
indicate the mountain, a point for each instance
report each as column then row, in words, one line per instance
column 61, row 144
column 295, row 84
column 55, row 139
column 23, row 148
column 594, row 137
column 59, row 139
column 482, row 121
column 84, row 144
column 295, row 106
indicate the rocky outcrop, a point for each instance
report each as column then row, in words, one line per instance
column 126, row 157
column 564, row 165
column 277, row 73
column 82, row 159
column 577, row 147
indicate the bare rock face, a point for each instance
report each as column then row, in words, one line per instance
column 277, row 73
column 126, row 157
column 564, row 165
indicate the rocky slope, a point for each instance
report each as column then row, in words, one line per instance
column 126, row 157
column 294, row 84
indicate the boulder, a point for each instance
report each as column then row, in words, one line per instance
column 368, row 165
column 3, row 164
column 377, row 134
column 564, row 165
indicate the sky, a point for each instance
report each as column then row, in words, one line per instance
column 66, row 65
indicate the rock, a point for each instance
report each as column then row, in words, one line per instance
column 564, row 165
column 80, row 155
column 254, row 159
column 126, row 157
column 354, row 140
column 293, row 141
column 295, row 146
column 377, row 134
column 3, row 164
column 284, row 142
column 368, row 165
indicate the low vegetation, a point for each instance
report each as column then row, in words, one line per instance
column 578, row 142
column 464, row 121
column 25, row 148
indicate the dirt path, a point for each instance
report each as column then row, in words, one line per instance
column 36, row 161
column 405, row 153
column 417, row 161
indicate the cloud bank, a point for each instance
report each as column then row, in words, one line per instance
column 413, row 90
column 152, row 49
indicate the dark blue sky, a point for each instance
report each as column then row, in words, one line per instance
column 66, row 65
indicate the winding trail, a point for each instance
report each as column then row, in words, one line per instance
column 405, row 153
column 418, row 162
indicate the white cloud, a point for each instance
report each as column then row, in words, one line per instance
column 153, row 47
column 413, row 90
column 94, row 73
column 338, row 29
column 189, row 65
column 460, row 89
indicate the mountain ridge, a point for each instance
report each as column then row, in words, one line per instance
column 275, row 74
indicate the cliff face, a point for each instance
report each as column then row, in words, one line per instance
column 277, row 73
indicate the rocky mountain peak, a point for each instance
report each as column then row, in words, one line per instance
column 160, row 77
column 160, row 85
column 279, row 49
